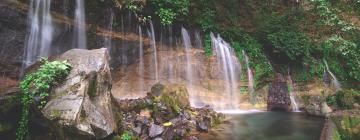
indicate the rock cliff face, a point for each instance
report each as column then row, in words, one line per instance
column 279, row 97
column 12, row 38
column 81, row 106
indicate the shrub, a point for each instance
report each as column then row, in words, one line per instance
column 38, row 84
column 169, row 10
column 345, row 99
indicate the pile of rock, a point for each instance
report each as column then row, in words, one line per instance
column 165, row 113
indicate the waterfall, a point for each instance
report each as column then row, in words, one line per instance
column 123, row 56
column 153, row 45
column 41, row 31
column 294, row 105
column 334, row 79
column 228, row 63
column 198, row 39
column 108, row 38
column 169, row 62
column 187, row 45
column 80, row 24
column 189, row 75
column 141, row 61
column 249, row 73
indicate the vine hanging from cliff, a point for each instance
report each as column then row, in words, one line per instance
column 35, row 89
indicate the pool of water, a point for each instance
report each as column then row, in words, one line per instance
column 267, row 126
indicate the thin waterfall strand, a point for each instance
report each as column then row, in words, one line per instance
column 153, row 45
column 294, row 105
column 141, row 61
column 41, row 31
column 334, row 79
column 249, row 73
column 80, row 24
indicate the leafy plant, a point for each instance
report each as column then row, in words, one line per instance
column 169, row 10
column 207, row 45
column 345, row 99
column 35, row 90
column 347, row 50
column 329, row 16
column 137, row 7
column 331, row 100
column 291, row 42
column 125, row 136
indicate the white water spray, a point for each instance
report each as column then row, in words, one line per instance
column 334, row 79
column 141, row 61
column 41, row 31
column 189, row 75
column 294, row 105
column 249, row 73
column 228, row 64
column 80, row 29
column 153, row 45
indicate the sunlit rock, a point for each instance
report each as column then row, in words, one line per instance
column 82, row 103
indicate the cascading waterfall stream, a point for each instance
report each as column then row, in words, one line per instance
column 141, row 61
column 294, row 105
column 334, row 79
column 80, row 24
column 249, row 74
column 227, row 63
column 41, row 32
column 153, row 45
column 189, row 76
column 108, row 39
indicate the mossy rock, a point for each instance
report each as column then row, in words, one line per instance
column 348, row 126
column 175, row 98
column 176, row 95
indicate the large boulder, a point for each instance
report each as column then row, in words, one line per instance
column 81, row 106
column 178, row 94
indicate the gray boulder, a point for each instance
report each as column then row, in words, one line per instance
column 81, row 105
column 155, row 130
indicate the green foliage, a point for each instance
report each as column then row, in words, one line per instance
column 169, row 10
column 331, row 100
column 329, row 16
column 293, row 43
column 203, row 15
column 258, row 61
column 126, row 136
column 347, row 50
column 345, row 99
column 207, row 45
column 38, row 84
column 137, row 7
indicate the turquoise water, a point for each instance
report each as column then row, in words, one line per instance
column 268, row 126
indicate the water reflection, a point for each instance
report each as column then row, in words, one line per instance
column 268, row 126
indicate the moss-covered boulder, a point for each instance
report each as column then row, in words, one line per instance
column 348, row 124
column 169, row 100
column 177, row 94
